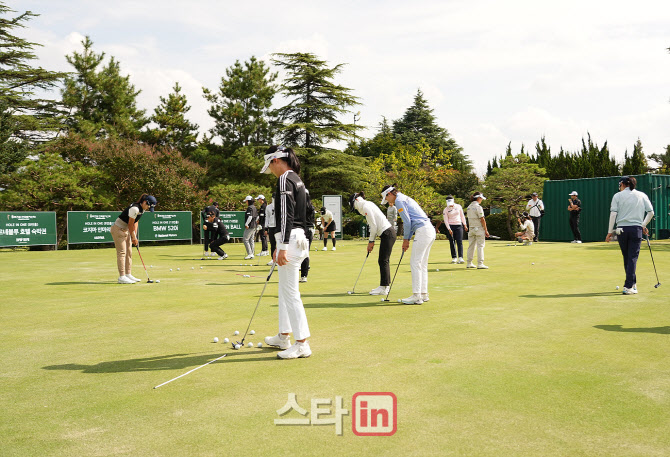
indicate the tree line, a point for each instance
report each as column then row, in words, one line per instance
column 78, row 140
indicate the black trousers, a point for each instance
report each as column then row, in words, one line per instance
column 457, row 238
column 209, row 237
column 629, row 243
column 304, row 266
column 536, row 226
column 215, row 245
column 387, row 241
column 264, row 241
column 273, row 240
column 574, row 226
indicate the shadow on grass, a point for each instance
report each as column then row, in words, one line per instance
column 73, row 283
column 167, row 362
column 655, row 246
column 583, row 294
column 618, row 328
column 378, row 303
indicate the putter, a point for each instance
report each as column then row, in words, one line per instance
column 396, row 273
column 494, row 237
column 658, row 283
column 203, row 253
column 241, row 343
column 145, row 267
column 359, row 274
column 453, row 243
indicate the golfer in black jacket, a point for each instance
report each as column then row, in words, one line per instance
column 221, row 236
column 292, row 248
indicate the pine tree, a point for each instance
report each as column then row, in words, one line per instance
column 102, row 101
column 174, row 130
column 241, row 108
column 663, row 161
column 636, row 164
column 26, row 120
column 419, row 122
column 310, row 119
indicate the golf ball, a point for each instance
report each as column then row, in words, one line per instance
column 349, row 292
column 382, row 299
column 158, row 280
column 533, row 263
column 236, row 332
column 437, row 269
column 178, row 269
column 250, row 345
column 201, row 268
column 399, row 300
column 170, row 269
column 237, row 346
column 260, row 345
column 253, row 332
column 192, row 268
column 617, row 287
column 226, row 340
column 216, row 340
column 151, row 266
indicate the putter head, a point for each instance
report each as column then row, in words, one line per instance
column 657, row 285
column 149, row 281
column 234, row 343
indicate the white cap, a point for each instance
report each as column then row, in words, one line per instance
column 574, row 192
column 248, row 198
column 450, row 202
column 260, row 197
column 278, row 154
column 479, row 195
column 385, row 193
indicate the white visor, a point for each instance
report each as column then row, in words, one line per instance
column 481, row 196
column 450, row 202
column 385, row 193
column 269, row 157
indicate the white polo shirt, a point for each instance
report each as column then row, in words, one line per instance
column 630, row 207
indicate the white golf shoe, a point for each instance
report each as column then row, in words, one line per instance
column 334, row 248
column 425, row 297
column 454, row 260
column 124, row 280
column 324, row 248
column 481, row 266
column 631, row 291
column 269, row 264
column 278, row 341
column 470, row 265
column 250, row 256
column 297, row 351
column 303, row 279
column 133, row 278
column 415, row 299
column 223, row 257
column 381, row 290
column 460, row 260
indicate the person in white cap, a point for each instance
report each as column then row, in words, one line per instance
column 292, row 248
column 249, row 227
column 535, row 208
column 628, row 213
column 478, row 231
column 454, row 219
column 379, row 227
column 575, row 208
column 261, row 224
column 415, row 222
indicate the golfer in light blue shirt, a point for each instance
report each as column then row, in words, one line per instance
column 628, row 213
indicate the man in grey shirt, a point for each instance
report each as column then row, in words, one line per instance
column 249, row 226
column 392, row 216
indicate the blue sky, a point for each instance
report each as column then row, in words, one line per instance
column 494, row 72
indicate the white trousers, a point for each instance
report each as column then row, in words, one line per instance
column 476, row 239
column 423, row 241
column 292, row 317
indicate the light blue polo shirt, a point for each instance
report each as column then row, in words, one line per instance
column 413, row 217
column 630, row 207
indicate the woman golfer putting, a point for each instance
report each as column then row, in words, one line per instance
column 415, row 222
column 124, row 234
column 292, row 248
column 379, row 227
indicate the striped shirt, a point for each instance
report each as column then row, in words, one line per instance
column 290, row 207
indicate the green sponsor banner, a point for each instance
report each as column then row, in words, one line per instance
column 93, row 226
column 28, row 228
column 233, row 220
column 90, row 226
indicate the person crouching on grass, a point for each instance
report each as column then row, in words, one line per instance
column 292, row 248
column 124, row 233
column 221, row 236
column 628, row 213
column 415, row 222
column 379, row 227
column 527, row 233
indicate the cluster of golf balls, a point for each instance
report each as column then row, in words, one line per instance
column 246, row 276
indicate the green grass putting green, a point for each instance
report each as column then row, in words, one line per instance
column 538, row 356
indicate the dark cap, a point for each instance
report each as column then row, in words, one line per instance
column 534, row 194
column 151, row 200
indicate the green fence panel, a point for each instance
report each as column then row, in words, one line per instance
column 28, row 228
column 233, row 220
column 165, row 226
column 90, row 226
column 596, row 196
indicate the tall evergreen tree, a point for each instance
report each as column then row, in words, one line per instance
column 310, row 119
column 103, row 103
column 663, row 161
column 241, row 108
column 174, row 130
column 636, row 164
column 26, row 120
column 420, row 122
